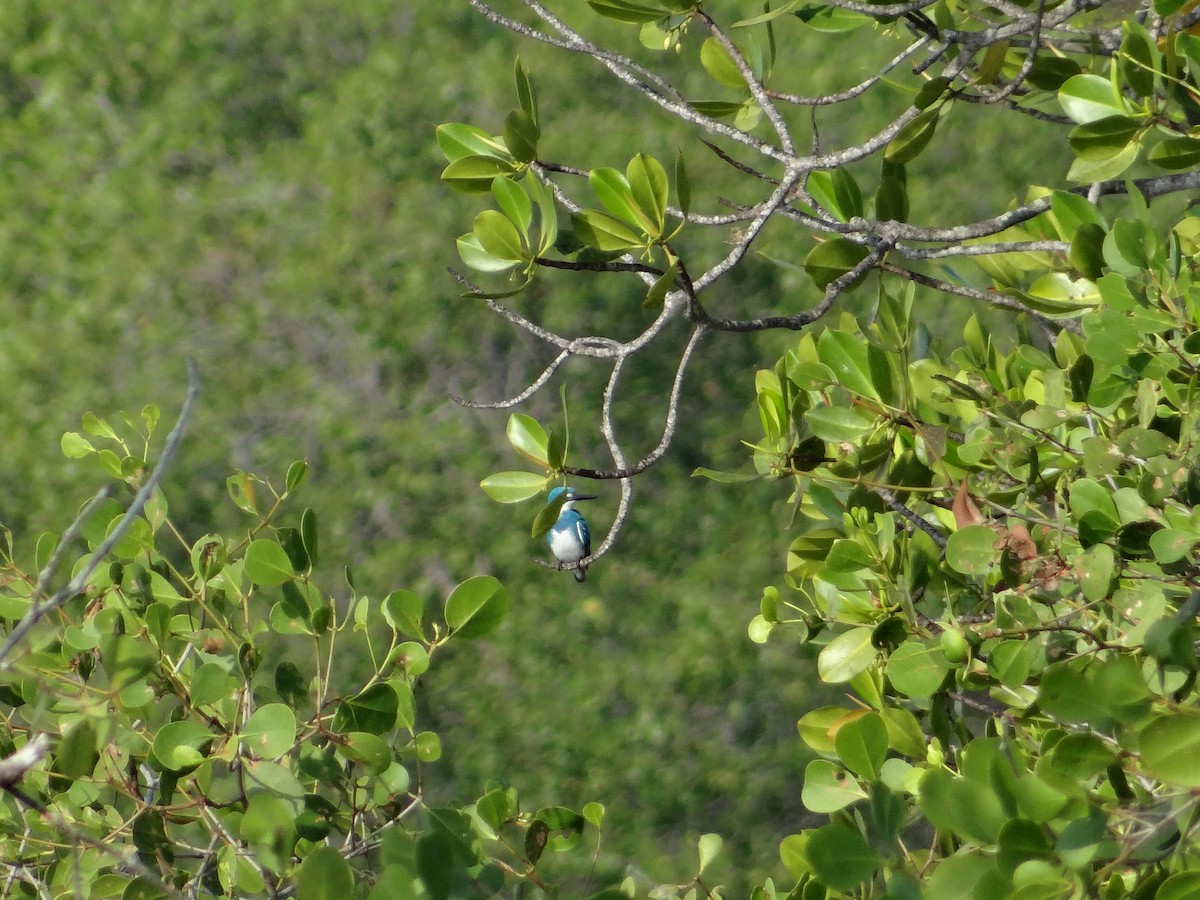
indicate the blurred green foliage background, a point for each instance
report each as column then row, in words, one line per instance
column 255, row 185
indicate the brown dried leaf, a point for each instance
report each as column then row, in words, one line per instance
column 964, row 508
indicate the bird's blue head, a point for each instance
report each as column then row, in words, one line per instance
column 569, row 493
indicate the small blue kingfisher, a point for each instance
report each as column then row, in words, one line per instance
column 569, row 537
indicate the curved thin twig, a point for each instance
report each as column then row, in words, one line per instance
column 40, row 609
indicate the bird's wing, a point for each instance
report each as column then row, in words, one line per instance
column 584, row 535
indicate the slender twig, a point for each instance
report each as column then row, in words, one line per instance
column 39, row 610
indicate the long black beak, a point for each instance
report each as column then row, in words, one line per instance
column 583, row 496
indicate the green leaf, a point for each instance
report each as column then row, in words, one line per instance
column 76, row 446
column 661, row 287
column 498, row 236
column 913, row 137
column 271, row 731
column 623, row 11
column 931, row 91
column 475, row 174
column 1080, row 756
column 521, row 135
column 847, row 357
column 1086, row 98
column 513, row 202
column 1102, row 139
column 471, row 251
column 862, row 744
column 1139, row 59
column 402, row 610
column 1072, row 210
column 846, row 655
column 828, row 787
column 458, row 141
column 324, row 875
column 267, row 563
column 476, row 606
column 525, row 93
column 891, row 199
column 1169, row 747
column 841, row 857
column 528, row 438
column 972, row 550
column 831, row 259
column 177, row 745
column 615, row 194
column 76, row 755
column 683, row 185
column 837, row 192
column 372, row 711
column 514, row 487
column 370, row 750
column 709, row 847
column 602, row 231
column 126, row 659
column 647, row 181
column 1020, row 841
column 1087, row 171
column 546, row 518
column 720, row 65
column 917, row 669
column 1176, row 153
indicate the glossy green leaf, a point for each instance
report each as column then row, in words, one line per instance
column 267, row 563
column 720, row 65
column 372, row 711
column 1176, row 154
column 458, row 141
column 973, row 550
column 649, row 188
column 1087, row 98
column 1102, row 139
column 177, row 745
column 476, row 607
column 471, row 252
column 846, row 655
column 847, row 357
column 126, row 659
column 837, row 192
column 708, row 846
column 514, row 487
column 271, row 731
column 831, row 259
column 862, row 744
column 1105, row 168
column 1138, row 59
column 402, row 610
column 475, row 174
column 828, row 787
column 514, row 203
column 521, row 135
column 623, row 11
column 1169, row 747
column 527, row 437
column 1072, row 210
column 841, row 857
column 913, row 138
column 498, row 236
column 835, row 423
column 602, row 231
column 917, row 669
column 369, row 750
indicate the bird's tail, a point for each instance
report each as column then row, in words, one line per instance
column 580, row 574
